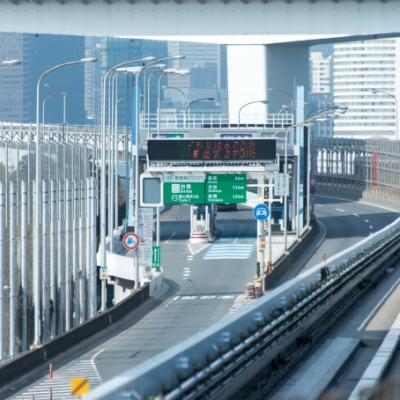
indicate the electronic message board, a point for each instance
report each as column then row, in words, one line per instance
column 208, row 150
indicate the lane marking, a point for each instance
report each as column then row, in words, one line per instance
column 60, row 384
column 370, row 227
column 170, row 238
column 339, row 209
column 366, row 220
column 225, row 252
column 198, row 250
column 175, row 298
column 356, row 215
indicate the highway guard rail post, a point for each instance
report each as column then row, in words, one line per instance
column 27, row 362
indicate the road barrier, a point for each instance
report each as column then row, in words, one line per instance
column 34, row 358
column 217, row 362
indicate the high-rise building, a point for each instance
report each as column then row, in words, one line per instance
column 18, row 84
column 321, row 77
column 110, row 52
column 320, row 97
column 360, row 69
column 208, row 74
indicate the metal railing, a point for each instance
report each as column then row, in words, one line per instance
column 183, row 121
column 357, row 169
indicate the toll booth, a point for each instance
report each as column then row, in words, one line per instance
column 202, row 220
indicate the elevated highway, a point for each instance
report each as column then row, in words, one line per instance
column 212, row 290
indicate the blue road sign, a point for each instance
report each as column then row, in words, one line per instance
column 261, row 212
column 312, row 189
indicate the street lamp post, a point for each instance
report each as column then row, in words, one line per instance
column 103, row 220
column 396, row 111
column 137, row 138
column 166, row 72
column 2, row 287
column 195, row 101
column 64, row 104
column 283, row 91
column 179, row 90
column 184, row 99
column 38, row 199
column 251, row 102
column 149, row 101
column 44, row 103
column 308, row 123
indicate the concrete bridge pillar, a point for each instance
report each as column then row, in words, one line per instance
column 253, row 69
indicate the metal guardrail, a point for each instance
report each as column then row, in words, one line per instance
column 358, row 169
column 379, row 364
column 211, row 359
column 182, row 121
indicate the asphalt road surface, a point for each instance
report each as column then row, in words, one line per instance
column 204, row 282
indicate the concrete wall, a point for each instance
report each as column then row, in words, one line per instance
column 26, row 363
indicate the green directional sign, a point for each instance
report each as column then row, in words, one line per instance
column 156, row 257
column 225, row 188
column 184, row 189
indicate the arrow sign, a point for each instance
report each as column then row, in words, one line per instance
column 156, row 257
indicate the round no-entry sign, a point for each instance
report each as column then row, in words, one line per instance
column 131, row 241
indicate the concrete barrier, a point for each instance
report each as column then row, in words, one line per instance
column 27, row 362
column 287, row 261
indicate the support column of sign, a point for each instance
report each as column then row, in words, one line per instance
column 145, row 232
column 261, row 213
column 281, row 188
column 269, row 261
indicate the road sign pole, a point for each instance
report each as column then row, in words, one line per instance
column 269, row 263
column 260, row 253
column 158, row 227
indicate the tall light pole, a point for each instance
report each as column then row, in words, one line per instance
column 103, row 220
column 247, row 104
column 38, row 200
column 3, row 218
column 44, row 103
column 396, row 111
column 308, row 123
column 179, row 90
column 283, row 91
column 156, row 71
column 64, row 102
column 136, row 148
column 170, row 71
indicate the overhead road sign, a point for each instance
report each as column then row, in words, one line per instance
column 184, row 189
column 211, row 150
column 131, row 241
column 261, row 212
column 168, row 135
column 281, row 185
column 226, row 188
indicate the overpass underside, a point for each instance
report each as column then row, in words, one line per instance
column 278, row 32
